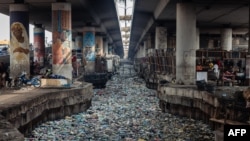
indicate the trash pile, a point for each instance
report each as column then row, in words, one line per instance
column 124, row 111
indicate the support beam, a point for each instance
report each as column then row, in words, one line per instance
column 158, row 10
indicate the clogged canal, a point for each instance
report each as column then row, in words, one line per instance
column 124, row 111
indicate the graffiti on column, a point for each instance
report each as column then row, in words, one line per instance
column 61, row 48
column 39, row 47
column 19, row 46
column 89, row 46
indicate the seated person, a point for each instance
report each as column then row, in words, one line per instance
column 199, row 67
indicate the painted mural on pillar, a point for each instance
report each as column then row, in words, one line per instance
column 89, row 53
column 19, row 46
column 61, row 48
column 39, row 46
column 89, row 45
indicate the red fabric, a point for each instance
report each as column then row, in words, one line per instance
column 74, row 59
column 219, row 63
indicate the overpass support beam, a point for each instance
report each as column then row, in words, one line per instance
column 186, row 42
column 39, row 44
column 89, row 48
column 19, row 40
column 62, row 39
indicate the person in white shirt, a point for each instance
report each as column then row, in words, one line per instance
column 216, row 70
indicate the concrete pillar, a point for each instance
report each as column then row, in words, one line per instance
column 149, row 45
column 141, row 50
column 226, row 39
column 186, row 42
column 19, row 40
column 197, row 39
column 113, row 50
column 160, row 37
column 144, row 48
column 99, row 45
column 62, row 40
column 110, row 48
column 210, row 43
column 105, row 46
column 39, row 44
column 89, row 48
column 78, row 42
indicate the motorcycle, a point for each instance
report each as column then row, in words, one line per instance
column 23, row 81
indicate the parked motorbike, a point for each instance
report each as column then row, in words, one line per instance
column 23, row 81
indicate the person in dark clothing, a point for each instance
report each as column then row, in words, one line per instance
column 32, row 67
column 2, row 67
column 4, row 75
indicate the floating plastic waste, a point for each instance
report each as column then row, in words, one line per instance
column 124, row 111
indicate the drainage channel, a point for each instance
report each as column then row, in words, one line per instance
column 124, row 110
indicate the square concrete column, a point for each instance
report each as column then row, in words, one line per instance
column 105, row 46
column 19, row 40
column 39, row 44
column 99, row 45
column 226, row 39
column 62, row 40
column 197, row 39
column 186, row 42
column 89, row 48
column 78, row 43
column 160, row 37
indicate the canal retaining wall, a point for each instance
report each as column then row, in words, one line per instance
column 224, row 103
column 27, row 109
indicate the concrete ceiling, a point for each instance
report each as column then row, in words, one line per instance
column 99, row 13
column 211, row 15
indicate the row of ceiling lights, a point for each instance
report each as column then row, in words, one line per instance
column 125, row 8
